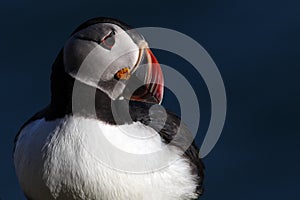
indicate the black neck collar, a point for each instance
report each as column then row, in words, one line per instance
column 62, row 102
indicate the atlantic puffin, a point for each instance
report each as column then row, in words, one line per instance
column 58, row 152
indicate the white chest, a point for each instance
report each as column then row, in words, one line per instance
column 79, row 158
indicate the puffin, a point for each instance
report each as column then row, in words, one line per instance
column 105, row 134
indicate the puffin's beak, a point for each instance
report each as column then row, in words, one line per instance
column 146, row 82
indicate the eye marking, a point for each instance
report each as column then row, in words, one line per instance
column 123, row 74
column 108, row 41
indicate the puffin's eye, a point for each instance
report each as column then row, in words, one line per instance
column 108, row 41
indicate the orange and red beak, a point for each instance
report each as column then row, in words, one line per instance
column 146, row 84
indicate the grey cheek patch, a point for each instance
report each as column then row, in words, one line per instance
column 86, row 61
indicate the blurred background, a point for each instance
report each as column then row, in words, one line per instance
column 255, row 45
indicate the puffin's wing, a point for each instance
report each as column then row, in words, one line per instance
column 174, row 132
column 39, row 115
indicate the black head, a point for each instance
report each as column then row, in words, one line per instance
column 109, row 56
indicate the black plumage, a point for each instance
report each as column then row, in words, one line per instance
column 171, row 130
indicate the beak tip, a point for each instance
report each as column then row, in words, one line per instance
column 153, row 88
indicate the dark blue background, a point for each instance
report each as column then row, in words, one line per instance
column 254, row 43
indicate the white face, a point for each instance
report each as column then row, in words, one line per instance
column 95, row 54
